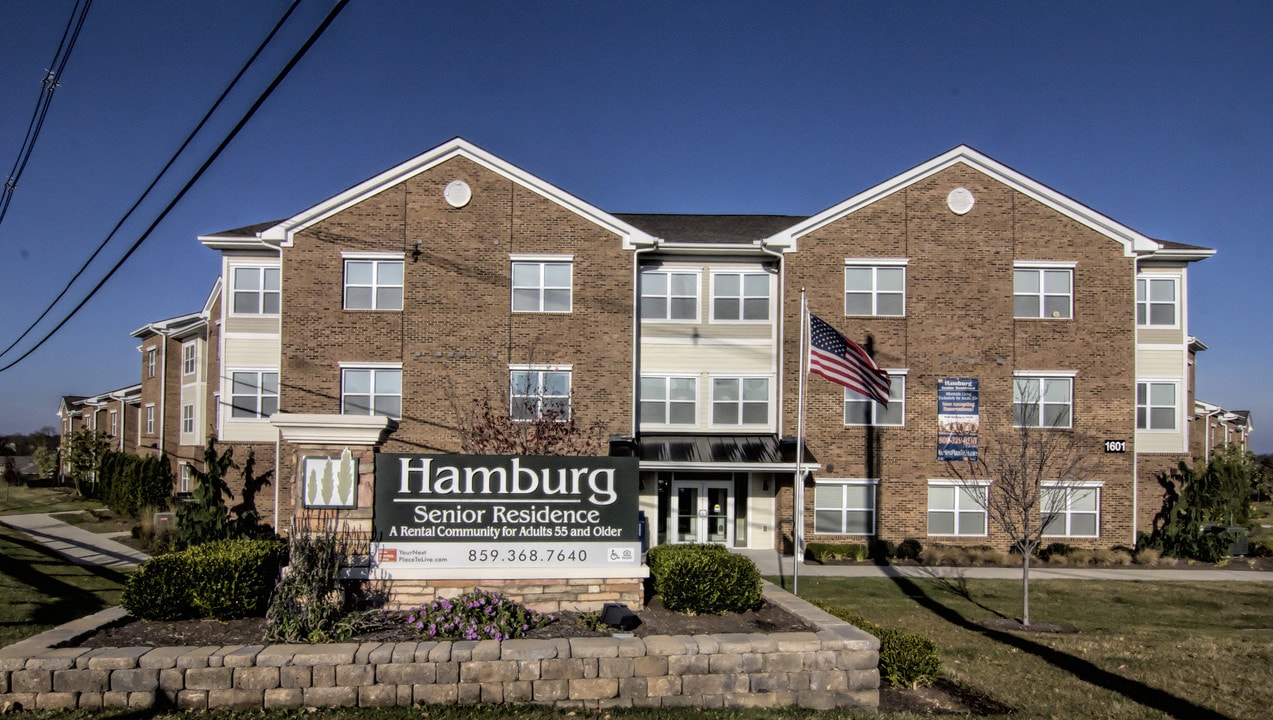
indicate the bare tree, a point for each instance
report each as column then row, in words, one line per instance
column 488, row 428
column 1028, row 479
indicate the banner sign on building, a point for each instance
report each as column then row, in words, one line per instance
column 449, row 512
column 958, row 418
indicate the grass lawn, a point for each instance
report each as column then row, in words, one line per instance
column 22, row 500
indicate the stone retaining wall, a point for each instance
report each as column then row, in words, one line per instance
column 833, row 666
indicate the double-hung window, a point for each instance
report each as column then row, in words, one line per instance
column 189, row 358
column 1156, row 301
column 740, row 401
column 371, row 390
column 874, row 288
column 861, row 410
column 844, row 507
column 539, row 393
column 184, row 487
column 1071, row 511
column 542, row 285
column 1045, row 291
column 114, row 415
column 254, row 291
column 253, row 394
column 669, row 295
column 1042, row 400
column 1156, row 405
column 150, row 362
column 187, row 418
column 373, row 283
column 150, row 419
column 740, row 296
column 955, row 509
column 669, row 400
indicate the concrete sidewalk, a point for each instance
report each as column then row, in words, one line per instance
column 771, row 564
column 76, row 544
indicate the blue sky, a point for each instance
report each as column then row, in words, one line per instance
column 1155, row 114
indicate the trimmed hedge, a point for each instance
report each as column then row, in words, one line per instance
column 223, row 580
column 704, row 579
column 906, row 659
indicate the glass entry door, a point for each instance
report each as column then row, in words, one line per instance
column 701, row 511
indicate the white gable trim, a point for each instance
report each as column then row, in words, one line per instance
column 283, row 233
column 1133, row 243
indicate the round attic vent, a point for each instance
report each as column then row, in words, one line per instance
column 960, row 200
column 457, row 193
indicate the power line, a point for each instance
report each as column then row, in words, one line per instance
column 278, row 79
column 49, row 84
column 146, row 193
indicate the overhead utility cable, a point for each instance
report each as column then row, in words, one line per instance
column 50, row 83
column 146, row 193
column 296, row 58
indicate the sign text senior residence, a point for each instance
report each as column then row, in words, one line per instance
column 454, row 512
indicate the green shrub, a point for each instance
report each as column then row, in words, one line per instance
column 1052, row 550
column 477, row 615
column 879, row 549
column 823, row 552
column 160, row 589
column 704, row 579
column 906, row 659
column 234, row 578
column 909, row 549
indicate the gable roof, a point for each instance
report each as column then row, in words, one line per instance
column 281, row 233
column 1134, row 244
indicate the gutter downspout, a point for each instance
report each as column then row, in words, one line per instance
column 1135, row 382
column 781, row 317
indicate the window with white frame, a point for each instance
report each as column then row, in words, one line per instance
column 253, row 394
column 1042, row 292
column 186, row 473
column 114, row 414
column 151, row 354
column 542, row 286
column 1156, row 405
column 861, row 410
column 955, row 509
column 740, row 401
column 373, row 284
column 844, row 507
column 1071, row 511
column 873, row 289
column 255, row 291
column 740, row 296
column 669, row 295
column 371, row 391
column 150, row 419
column 189, row 359
column 187, row 418
column 1156, row 301
column 669, row 400
column 1042, row 401
column 539, row 393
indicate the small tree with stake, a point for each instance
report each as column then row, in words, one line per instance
column 1025, row 479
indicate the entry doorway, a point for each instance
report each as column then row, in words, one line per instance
column 700, row 511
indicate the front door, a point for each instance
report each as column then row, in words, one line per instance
column 701, row 511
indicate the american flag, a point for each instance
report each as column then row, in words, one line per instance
column 841, row 361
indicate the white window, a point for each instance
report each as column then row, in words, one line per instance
column 844, row 507
column 956, row 509
column 740, row 296
column 1042, row 401
column 150, row 419
column 150, row 362
column 1042, row 292
column 539, row 393
column 1071, row 511
column 189, row 358
column 1156, row 301
column 1156, row 406
column 874, row 290
column 255, row 291
column 542, row 286
column 667, row 295
column 861, row 410
column 371, row 391
column 253, row 394
column 114, row 423
column 740, row 401
column 187, row 418
column 373, row 284
column 185, row 478
column 669, row 400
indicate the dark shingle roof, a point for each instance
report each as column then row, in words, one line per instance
column 710, row 228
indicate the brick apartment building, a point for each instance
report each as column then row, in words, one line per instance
column 378, row 317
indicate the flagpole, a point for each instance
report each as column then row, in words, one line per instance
column 798, row 511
